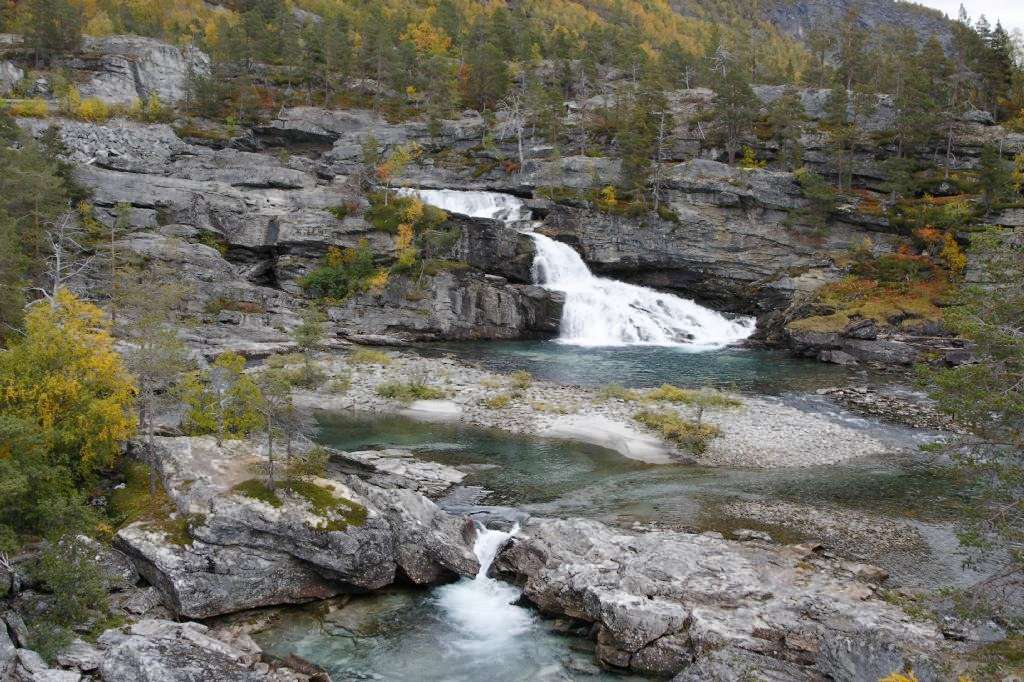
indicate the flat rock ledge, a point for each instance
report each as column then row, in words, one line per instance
column 227, row 552
column 703, row 608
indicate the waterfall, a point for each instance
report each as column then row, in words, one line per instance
column 606, row 312
column 599, row 311
column 482, row 609
column 491, row 205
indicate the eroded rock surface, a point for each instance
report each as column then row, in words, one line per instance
column 663, row 602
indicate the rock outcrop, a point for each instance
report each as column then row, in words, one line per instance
column 665, row 603
column 123, row 69
column 230, row 552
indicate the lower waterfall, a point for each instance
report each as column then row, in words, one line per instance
column 481, row 608
column 598, row 311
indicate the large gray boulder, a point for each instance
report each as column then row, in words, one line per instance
column 10, row 75
column 230, row 552
column 161, row 651
column 662, row 600
column 8, row 656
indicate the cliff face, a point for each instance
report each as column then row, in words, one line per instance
column 243, row 217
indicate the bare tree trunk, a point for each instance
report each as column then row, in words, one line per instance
column 270, row 455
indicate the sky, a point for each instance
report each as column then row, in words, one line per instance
column 1009, row 12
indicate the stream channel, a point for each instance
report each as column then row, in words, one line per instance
column 893, row 510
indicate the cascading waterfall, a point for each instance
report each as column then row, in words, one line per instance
column 482, row 609
column 606, row 312
column 493, row 205
column 599, row 311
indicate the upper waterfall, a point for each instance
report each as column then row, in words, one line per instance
column 492, row 205
column 605, row 312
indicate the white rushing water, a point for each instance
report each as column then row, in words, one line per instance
column 599, row 311
column 493, row 205
column 605, row 312
column 481, row 610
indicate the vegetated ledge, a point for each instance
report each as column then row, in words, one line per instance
column 758, row 433
column 315, row 539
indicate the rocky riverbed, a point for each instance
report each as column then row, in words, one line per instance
column 758, row 433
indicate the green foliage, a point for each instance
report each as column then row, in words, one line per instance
column 222, row 400
column 691, row 436
column 339, row 512
column 988, row 397
column 343, row 272
column 134, row 501
column 820, row 195
column 257, row 489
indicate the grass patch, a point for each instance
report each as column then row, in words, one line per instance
column 686, row 396
column 497, row 402
column 369, row 357
column 257, row 489
column 408, row 391
column 615, row 392
column 175, row 530
column 689, row 435
column 133, row 502
column 323, row 502
column 521, row 379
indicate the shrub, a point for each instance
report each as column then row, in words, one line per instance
column 343, row 272
column 408, row 391
column 691, row 436
column 92, row 109
column 30, row 108
column 686, row 396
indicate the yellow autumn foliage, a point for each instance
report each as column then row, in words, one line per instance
column 64, row 376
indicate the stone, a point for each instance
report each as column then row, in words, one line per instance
column 746, row 534
column 661, row 600
column 81, row 656
column 162, row 651
column 17, row 628
column 117, row 570
column 837, row 357
column 10, row 75
column 8, row 653
column 738, row 665
column 243, row 553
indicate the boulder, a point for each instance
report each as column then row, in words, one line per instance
column 10, row 75
column 233, row 552
column 661, row 600
column 161, row 651
column 8, row 655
